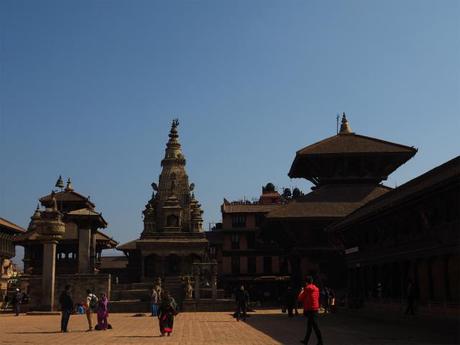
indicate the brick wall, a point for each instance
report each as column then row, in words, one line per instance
column 80, row 282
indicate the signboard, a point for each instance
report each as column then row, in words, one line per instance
column 351, row 250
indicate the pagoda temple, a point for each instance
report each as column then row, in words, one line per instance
column 79, row 250
column 172, row 238
column 346, row 171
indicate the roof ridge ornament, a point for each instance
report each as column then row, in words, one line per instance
column 59, row 183
column 345, row 126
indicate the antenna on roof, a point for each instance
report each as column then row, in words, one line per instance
column 337, row 118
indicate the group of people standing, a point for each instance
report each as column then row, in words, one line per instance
column 164, row 307
column 92, row 304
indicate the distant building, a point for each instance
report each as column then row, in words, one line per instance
column 8, row 231
column 172, row 238
column 408, row 234
column 347, row 170
column 243, row 256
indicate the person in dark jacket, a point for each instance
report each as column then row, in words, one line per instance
column 66, row 302
column 16, row 302
column 309, row 296
column 290, row 301
column 242, row 301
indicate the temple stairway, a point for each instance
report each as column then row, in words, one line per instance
column 135, row 297
column 130, row 298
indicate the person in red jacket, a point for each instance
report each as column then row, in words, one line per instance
column 309, row 296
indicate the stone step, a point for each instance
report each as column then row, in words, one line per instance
column 129, row 306
column 143, row 295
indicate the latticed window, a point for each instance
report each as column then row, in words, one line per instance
column 238, row 221
column 235, row 241
column 235, row 265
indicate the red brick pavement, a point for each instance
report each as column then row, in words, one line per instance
column 265, row 327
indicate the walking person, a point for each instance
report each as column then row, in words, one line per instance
column 166, row 313
column 242, row 301
column 16, row 302
column 410, row 299
column 91, row 306
column 310, row 299
column 102, row 313
column 290, row 301
column 154, row 299
column 66, row 302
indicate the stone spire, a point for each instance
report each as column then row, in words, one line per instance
column 171, row 207
column 345, row 126
column 173, row 152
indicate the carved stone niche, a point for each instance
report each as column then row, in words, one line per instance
column 172, row 215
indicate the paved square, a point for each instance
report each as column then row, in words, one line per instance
column 264, row 327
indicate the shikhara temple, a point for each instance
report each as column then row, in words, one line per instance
column 172, row 238
column 351, row 232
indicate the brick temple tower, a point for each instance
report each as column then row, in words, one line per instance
column 172, row 238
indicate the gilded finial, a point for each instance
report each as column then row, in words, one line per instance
column 345, row 126
column 69, row 186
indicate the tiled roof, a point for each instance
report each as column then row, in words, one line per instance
column 114, row 262
column 66, row 196
column 353, row 143
column 423, row 183
column 329, row 201
column 10, row 226
column 86, row 212
column 248, row 208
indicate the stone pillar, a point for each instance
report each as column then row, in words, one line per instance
column 142, row 259
column 92, row 252
column 48, row 275
column 214, row 287
column 196, row 272
column 84, row 244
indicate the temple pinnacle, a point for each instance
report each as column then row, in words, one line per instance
column 59, row 183
column 345, row 126
column 69, row 187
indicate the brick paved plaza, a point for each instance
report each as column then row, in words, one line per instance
column 263, row 328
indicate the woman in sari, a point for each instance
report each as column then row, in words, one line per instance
column 102, row 312
column 166, row 313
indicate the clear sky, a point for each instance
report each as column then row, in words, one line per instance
column 88, row 90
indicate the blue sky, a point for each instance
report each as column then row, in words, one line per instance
column 88, row 90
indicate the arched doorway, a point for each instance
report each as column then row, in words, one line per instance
column 151, row 266
column 173, row 265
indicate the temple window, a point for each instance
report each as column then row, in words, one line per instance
column 267, row 265
column 235, row 264
column 238, row 221
column 235, row 241
column 252, row 266
column 172, row 220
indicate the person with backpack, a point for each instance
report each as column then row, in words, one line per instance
column 166, row 313
column 309, row 296
column 91, row 306
column 66, row 302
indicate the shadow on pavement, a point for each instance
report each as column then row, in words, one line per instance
column 345, row 328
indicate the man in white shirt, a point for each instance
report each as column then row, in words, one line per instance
column 91, row 305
